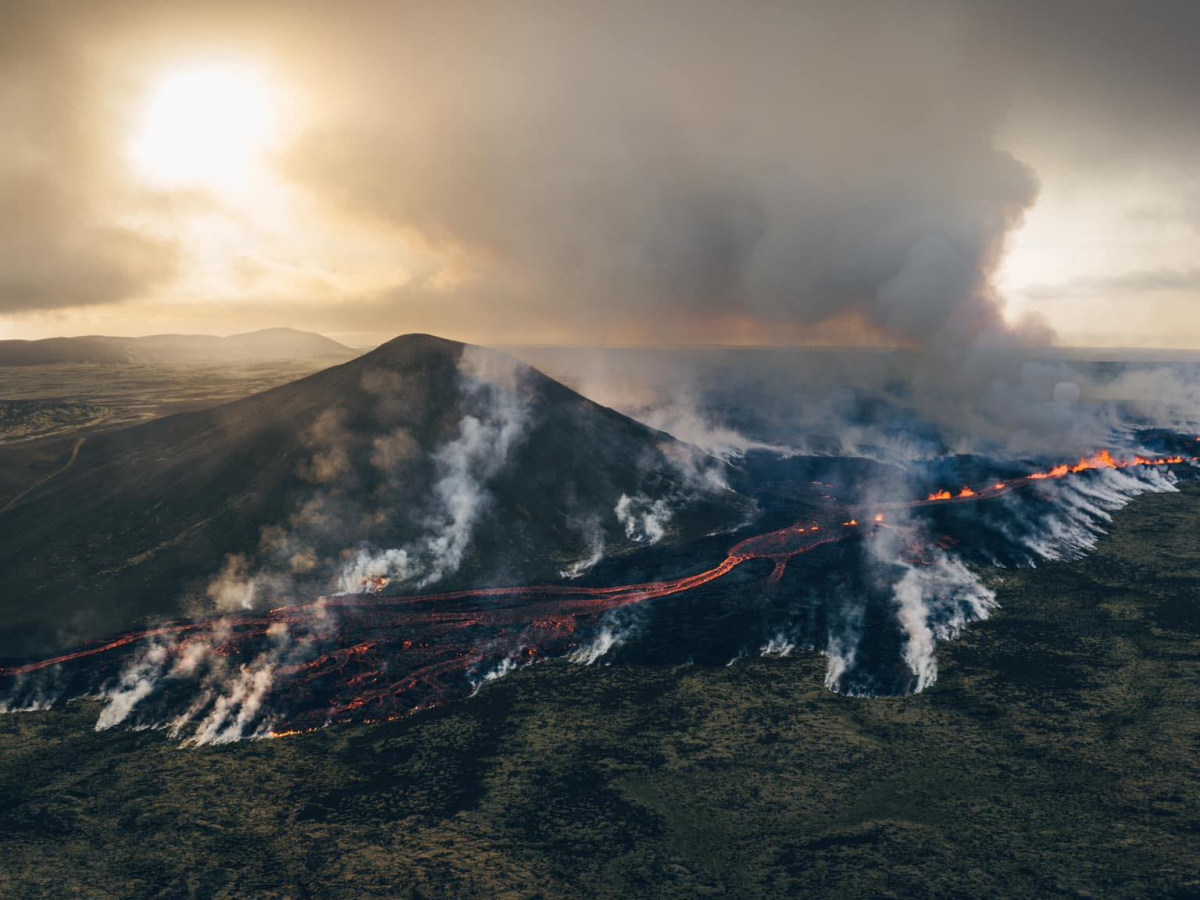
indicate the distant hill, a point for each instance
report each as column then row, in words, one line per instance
column 268, row 344
column 468, row 466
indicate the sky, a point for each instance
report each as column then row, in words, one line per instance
column 927, row 174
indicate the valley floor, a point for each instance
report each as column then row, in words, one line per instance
column 1058, row 755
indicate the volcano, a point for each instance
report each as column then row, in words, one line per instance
column 424, row 461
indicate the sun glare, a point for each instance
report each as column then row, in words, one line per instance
column 204, row 126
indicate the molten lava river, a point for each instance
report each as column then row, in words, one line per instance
column 371, row 656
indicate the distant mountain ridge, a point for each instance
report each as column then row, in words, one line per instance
column 425, row 461
column 267, row 344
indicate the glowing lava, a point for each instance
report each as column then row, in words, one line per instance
column 369, row 657
column 1102, row 460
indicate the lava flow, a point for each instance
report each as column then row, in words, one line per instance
column 367, row 657
column 370, row 656
column 1102, row 460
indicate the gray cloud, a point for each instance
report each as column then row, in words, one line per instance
column 1103, row 79
column 627, row 176
column 1150, row 281
column 670, row 172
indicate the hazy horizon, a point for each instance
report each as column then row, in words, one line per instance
column 367, row 341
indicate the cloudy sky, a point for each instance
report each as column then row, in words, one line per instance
column 676, row 172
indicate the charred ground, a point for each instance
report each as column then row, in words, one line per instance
column 1055, row 756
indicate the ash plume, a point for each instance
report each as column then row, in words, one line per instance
column 633, row 212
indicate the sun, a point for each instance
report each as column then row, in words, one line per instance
column 205, row 126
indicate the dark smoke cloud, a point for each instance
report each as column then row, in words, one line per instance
column 1106, row 81
column 628, row 174
column 766, row 175
column 677, row 171
column 666, row 173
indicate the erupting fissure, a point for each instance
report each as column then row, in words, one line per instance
column 1102, row 460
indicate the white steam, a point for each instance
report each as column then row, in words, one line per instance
column 840, row 652
column 497, row 419
column 936, row 602
column 466, row 464
column 587, row 563
column 779, row 646
column 366, row 567
column 506, row 666
column 136, row 683
column 644, row 519
column 608, row 639
column 235, row 587
column 229, row 701
column 1082, row 508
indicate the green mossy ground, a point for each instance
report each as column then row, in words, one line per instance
column 1058, row 755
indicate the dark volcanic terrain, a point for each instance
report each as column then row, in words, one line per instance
column 1056, row 756
column 504, row 474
